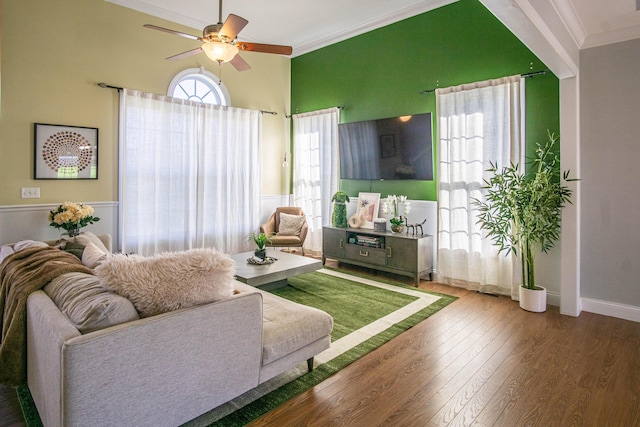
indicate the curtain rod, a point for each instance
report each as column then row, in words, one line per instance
column 526, row 75
column 106, row 86
column 339, row 107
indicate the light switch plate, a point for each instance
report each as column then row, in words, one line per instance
column 31, row 193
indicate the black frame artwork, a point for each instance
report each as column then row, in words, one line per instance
column 65, row 152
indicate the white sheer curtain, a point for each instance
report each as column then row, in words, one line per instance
column 189, row 174
column 315, row 170
column 477, row 123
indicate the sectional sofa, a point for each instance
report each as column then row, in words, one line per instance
column 163, row 369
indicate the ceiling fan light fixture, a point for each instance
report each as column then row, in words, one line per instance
column 219, row 51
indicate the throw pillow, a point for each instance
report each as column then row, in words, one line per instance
column 83, row 239
column 5, row 251
column 290, row 225
column 92, row 255
column 87, row 304
column 74, row 248
column 26, row 244
column 169, row 281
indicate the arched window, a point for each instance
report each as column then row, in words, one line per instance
column 200, row 85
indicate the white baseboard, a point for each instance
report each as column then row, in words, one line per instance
column 613, row 309
column 553, row 299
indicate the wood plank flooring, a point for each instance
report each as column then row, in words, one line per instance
column 482, row 361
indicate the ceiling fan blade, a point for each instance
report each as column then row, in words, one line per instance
column 177, row 33
column 265, row 48
column 232, row 26
column 185, row 54
column 240, row 64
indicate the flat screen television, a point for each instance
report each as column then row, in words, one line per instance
column 387, row 149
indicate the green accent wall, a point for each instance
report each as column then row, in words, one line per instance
column 381, row 73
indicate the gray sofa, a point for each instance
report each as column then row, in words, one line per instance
column 166, row 369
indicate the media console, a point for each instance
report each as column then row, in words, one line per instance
column 397, row 253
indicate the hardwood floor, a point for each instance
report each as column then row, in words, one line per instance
column 481, row 361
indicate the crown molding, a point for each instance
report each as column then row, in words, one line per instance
column 394, row 17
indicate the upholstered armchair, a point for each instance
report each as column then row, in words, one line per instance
column 286, row 228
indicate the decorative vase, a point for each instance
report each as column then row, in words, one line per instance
column 397, row 228
column 260, row 253
column 73, row 232
column 339, row 217
column 534, row 300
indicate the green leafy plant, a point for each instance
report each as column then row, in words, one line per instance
column 390, row 205
column 521, row 212
column 260, row 239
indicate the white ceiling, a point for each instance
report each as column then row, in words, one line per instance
column 599, row 22
column 308, row 25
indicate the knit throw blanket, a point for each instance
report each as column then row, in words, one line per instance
column 20, row 274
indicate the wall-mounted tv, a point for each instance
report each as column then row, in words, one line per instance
column 386, row 149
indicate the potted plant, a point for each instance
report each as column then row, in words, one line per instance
column 522, row 213
column 261, row 240
column 390, row 205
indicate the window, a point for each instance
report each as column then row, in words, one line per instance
column 199, row 85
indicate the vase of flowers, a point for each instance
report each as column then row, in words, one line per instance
column 71, row 217
column 391, row 206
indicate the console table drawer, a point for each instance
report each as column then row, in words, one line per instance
column 363, row 253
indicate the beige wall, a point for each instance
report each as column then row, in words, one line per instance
column 55, row 52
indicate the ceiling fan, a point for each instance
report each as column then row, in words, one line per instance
column 219, row 42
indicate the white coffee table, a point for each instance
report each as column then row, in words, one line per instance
column 271, row 276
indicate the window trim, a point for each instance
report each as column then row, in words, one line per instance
column 204, row 76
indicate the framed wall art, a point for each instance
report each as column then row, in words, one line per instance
column 367, row 210
column 65, row 152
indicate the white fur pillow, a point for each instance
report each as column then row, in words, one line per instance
column 169, row 281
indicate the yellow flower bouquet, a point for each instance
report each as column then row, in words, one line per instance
column 72, row 217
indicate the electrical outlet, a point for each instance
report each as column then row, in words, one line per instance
column 31, row 193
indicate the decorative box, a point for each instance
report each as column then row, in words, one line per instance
column 380, row 224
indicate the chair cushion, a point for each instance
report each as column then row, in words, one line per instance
column 290, row 225
column 169, row 281
column 285, row 240
column 288, row 326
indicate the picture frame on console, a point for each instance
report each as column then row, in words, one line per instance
column 367, row 210
column 65, row 152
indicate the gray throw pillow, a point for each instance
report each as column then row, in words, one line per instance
column 87, row 304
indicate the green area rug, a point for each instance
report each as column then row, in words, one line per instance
column 367, row 312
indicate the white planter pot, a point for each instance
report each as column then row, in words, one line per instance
column 533, row 299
